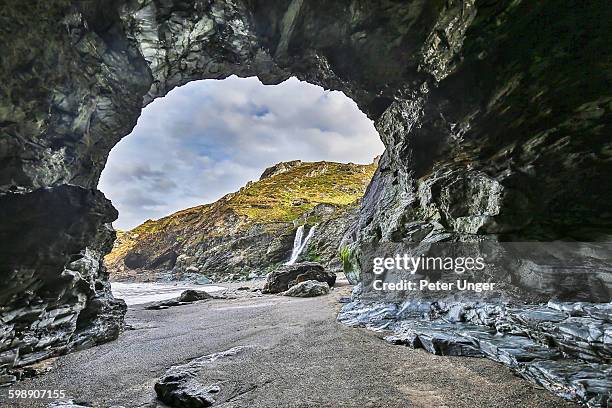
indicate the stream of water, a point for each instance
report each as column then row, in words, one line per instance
column 300, row 244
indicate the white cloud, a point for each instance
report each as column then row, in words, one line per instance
column 208, row 138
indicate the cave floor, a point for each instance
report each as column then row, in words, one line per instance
column 302, row 358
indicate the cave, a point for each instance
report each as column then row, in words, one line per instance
column 505, row 100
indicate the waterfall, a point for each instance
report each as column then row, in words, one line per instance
column 298, row 244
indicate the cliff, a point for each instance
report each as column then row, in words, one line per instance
column 247, row 232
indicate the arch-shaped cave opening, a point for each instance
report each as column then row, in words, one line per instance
column 514, row 94
column 260, row 159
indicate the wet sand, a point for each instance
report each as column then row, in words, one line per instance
column 300, row 357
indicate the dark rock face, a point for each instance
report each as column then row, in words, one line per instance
column 495, row 116
column 309, row 288
column 287, row 276
column 68, row 304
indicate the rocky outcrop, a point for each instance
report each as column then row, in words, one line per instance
column 495, row 117
column 564, row 347
column 191, row 295
column 309, row 288
column 287, row 276
column 248, row 233
column 68, row 304
column 279, row 168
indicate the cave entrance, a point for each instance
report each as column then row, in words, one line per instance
column 210, row 138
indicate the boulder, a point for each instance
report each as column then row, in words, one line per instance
column 309, row 288
column 179, row 390
column 192, row 295
column 289, row 275
column 180, row 387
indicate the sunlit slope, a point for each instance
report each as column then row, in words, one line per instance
column 285, row 193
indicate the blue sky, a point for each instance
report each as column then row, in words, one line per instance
column 208, row 138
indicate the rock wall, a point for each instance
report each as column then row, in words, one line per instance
column 495, row 115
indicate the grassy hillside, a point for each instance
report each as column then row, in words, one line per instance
column 285, row 195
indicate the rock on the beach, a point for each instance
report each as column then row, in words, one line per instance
column 179, row 390
column 192, row 295
column 188, row 296
column 289, row 275
column 179, row 387
column 309, row 288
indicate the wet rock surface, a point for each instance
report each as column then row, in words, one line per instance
column 287, row 276
column 309, row 288
column 560, row 346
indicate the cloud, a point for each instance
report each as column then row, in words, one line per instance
column 208, row 138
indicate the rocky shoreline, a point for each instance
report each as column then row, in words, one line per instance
column 562, row 346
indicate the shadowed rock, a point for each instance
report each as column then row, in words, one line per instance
column 289, row 275
column 192, row 295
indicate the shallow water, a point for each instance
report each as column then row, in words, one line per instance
column 139, row 293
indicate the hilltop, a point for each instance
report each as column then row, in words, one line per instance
column 249, row 231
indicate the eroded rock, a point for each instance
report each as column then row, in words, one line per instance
column 525, row 338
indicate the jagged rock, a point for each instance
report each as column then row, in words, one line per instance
column 69, row 304
column 288, row 275
column 279, row 168
column 526, row 338
column 309, row 288
column 587, row 383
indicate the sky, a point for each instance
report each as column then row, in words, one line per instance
column 209, row 138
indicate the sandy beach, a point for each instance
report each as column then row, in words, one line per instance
column 297, row 356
